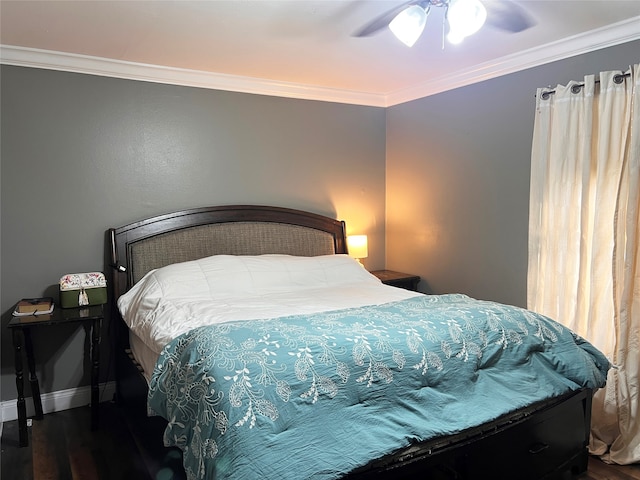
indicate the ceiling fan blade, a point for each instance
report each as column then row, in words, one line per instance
column 508, row 16
column 383, row 20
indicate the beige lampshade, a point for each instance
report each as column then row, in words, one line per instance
column 357, row 246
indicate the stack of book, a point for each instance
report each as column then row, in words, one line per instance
column 34, row 306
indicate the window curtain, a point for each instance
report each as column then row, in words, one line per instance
column 584, row 237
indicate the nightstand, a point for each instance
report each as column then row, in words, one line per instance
column 398, row 279
column 21, row 328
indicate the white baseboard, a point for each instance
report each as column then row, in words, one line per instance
column 58, row 401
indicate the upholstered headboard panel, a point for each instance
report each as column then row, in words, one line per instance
column 240, row 238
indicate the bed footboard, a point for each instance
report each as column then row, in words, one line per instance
column 546, row 442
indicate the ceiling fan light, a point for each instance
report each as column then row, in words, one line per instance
column 454, row 38
column 408, row 25
column 465, row 18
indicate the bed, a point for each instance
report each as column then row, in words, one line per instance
column 270, row 353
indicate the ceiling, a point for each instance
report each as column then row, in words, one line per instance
column 295, row 48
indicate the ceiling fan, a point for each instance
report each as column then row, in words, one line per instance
column 465, row 17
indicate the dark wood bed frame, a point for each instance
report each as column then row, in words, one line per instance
column 547, row 440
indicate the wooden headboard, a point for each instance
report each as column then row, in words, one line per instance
column 139, row 247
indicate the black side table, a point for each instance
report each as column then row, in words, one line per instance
column 21, row 329
column 398, row 279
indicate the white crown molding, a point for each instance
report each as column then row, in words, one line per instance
column 615, row 34
column 611, row 35
column 58, row 401
column 71, row 62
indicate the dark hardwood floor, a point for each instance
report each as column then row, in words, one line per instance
column 62, row 447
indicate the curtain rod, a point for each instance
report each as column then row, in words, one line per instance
column 618, row 79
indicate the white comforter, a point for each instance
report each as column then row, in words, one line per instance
column 174, row 299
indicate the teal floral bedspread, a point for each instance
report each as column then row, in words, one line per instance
column 314, row 397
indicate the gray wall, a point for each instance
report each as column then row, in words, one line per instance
column 84, row 153
column 458, row 166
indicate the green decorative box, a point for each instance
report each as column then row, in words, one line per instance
column 82, row 289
